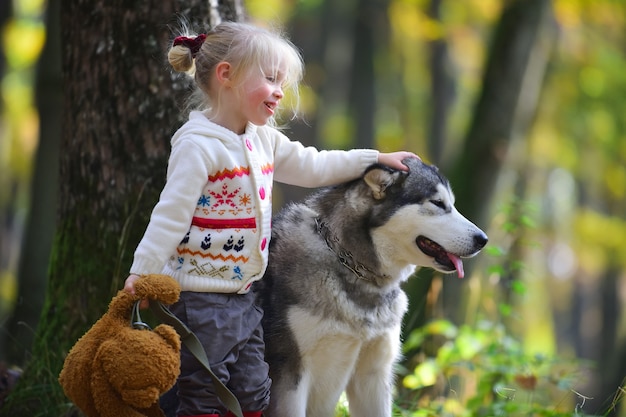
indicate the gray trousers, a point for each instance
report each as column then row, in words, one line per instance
column 229, row 328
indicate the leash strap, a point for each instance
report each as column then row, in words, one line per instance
column 195, row 347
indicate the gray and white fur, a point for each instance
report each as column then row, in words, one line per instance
column 331, row 294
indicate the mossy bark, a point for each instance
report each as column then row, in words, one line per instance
column 121, row 106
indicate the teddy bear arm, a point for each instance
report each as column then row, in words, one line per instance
column 139, row 365
column 158, row 287
column 75, row 377
column 107, row 400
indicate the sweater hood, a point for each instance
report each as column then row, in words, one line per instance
column 199, row 124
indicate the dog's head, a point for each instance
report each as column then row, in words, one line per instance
column 417, row 208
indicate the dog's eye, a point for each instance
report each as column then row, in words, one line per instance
column 439, row 203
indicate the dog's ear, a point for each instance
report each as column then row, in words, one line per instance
column 379, row 179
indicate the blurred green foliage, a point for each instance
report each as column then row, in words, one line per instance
column 486, row 372
column 22, row 38
column 564, row 234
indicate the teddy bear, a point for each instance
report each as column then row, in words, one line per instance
column 116, row 370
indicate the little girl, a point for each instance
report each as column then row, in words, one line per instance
column 210, row 229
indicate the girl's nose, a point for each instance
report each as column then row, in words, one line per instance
column 278, row 93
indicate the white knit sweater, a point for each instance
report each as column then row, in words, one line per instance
column 210, row 229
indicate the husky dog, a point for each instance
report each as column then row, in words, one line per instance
column 331, row 294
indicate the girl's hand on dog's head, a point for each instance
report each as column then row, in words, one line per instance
column 394, row 159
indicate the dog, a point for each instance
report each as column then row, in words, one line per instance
column 331, row 294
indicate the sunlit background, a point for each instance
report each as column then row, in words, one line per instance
column 562, row 237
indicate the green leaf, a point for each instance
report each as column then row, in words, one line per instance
column 493, row 250
column 518, row 287
column 505, row 309
column 415, row 340
column 441, row 327
column 424, row 375
column 468, row 345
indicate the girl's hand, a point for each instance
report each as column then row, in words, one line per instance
column 129, row 287
column 394, row 159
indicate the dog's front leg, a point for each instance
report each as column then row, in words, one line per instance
column 370, row 389
column 287, row 399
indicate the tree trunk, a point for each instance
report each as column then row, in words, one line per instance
column 370, row 32
column 334, row 128
column 513, row 76
column 441, row 96
column 598, row 341
column 329, row 59
column 307, row 34
column 441, row 88
column 120, row 109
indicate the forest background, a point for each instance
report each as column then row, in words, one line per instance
column 521, row 104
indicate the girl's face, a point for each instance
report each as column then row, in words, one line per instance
column 255, row 100
column 260, row 96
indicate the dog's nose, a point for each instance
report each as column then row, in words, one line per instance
column 480, row 240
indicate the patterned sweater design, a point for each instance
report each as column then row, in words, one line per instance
column 210, row 229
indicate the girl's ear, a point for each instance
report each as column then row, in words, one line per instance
column 222, row 72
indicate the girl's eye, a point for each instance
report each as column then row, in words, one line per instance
column 271, row 79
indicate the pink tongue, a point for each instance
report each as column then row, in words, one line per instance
column 458, row 264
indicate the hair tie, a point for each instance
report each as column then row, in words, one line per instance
column 193, row 44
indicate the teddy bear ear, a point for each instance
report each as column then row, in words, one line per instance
column 168, row 334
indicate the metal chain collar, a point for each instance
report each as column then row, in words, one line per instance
column 345, row 257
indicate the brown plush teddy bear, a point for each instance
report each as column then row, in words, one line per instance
column 118, row 371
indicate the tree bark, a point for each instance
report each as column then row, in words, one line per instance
column 120, row 108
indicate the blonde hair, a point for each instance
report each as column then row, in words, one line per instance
column 249, row 50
